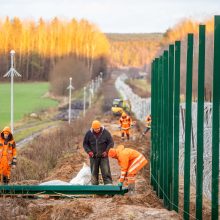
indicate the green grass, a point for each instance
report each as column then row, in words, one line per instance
column 139, row 86
column 142, row 84
column 36, row 128
column 27, row 98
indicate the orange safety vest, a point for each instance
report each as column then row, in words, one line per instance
column 130, row 161
column 7, row 150
column 125, row 122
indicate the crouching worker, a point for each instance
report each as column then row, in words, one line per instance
column 97, row 143
column 130, row 161
column 7, row 155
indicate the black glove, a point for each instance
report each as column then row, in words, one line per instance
column 14, row 162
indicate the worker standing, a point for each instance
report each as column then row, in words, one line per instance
column 148, row 124
column 130, row 161
column 125, row 125
column 7, row 154
column 97, row 143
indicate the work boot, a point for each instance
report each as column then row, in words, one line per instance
column 128, row 137
column 131, row 188
column 5, row 180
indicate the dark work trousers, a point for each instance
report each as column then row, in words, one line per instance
column 103, row 163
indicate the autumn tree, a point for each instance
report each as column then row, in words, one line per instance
column 40, row 45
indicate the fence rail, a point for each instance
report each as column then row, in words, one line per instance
column 189, row 130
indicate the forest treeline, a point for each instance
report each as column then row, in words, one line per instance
column 41, row 45
column 179, row 32
column 133, row 50
column 57, row 49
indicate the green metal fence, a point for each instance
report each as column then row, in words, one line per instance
column 165, row 104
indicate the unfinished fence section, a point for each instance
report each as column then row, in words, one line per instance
column 185, row 136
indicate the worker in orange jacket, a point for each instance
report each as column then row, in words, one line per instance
column 130, row 161
column 7, row 155
column 125, row 125
column 148, row 124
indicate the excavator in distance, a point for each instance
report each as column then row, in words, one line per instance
column 119, row 106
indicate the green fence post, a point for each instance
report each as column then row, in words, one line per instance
column 158, row 127
column 200, row 121
column 170, row 124
column 152, row 131
column 176, row 126
column 154, row 123
column 215, row 120
column 165, row 126
column 160, row 145
column 188, row 127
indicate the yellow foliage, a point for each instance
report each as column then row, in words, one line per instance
column 55, row 38
column 134, row 53
column 181, row 30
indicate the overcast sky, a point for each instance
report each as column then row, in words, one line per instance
column 122, row 16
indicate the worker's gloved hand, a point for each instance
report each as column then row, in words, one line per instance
column 91, row 154
column 104, row 154
column 120, row 184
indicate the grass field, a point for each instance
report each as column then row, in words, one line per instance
column 140, row 86
column 27, row 98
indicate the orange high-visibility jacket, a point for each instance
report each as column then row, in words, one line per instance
column 125, row 122
column 130, row 161
column 7, row 151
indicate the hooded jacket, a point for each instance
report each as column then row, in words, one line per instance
column 98, row 144
column 8, row 147
column 130, row 161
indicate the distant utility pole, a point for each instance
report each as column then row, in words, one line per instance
column 101, row 75
column 90, row 95
column 11, row 73
column 96, row 83
column 70, row 88
column 84, row 102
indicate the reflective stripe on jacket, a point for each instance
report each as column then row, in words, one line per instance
column 130, row 161
column 125, row 122
column 7, row 147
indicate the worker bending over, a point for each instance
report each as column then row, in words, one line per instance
column 7, row 155
column 130, row 161
column 125, row 125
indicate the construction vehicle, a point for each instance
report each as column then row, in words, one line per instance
column 119, row 106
